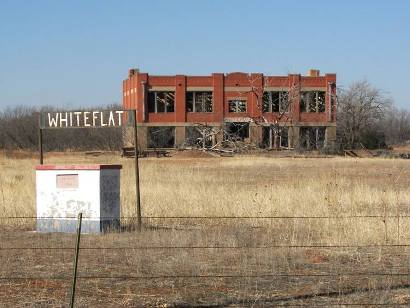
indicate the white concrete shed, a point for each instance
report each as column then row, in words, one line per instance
column 63, row 191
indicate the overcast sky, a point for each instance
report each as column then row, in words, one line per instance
column 76, row 53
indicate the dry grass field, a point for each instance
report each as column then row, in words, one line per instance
column 245, row 261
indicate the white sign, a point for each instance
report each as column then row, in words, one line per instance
column 83, row 119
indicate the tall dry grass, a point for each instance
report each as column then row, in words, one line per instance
column 238, row 186
column 246, row 186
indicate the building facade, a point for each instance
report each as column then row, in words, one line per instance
column 268, row 111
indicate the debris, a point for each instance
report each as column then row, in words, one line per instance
column 351, row 153
column 130, row 152
column 94, row 153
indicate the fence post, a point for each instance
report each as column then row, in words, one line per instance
column 77, row 248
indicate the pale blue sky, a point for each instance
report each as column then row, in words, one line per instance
column 76, row 53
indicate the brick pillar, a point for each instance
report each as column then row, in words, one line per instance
column 141, row 103
column 218, row 97
column 294, row 95
column 330, row 91
column 126, row 96
column 127, row 136
column 293, row 136
column 219, row 136
column 255, row 134
column 330, row 136
column 179, row 136
column 133, row 97
column 144, row 105
column 276, row 144
column 180, row 105
column 142, row 134
column 255, row 109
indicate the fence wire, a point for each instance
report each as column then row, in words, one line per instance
column 332, row 275
column 216, row 217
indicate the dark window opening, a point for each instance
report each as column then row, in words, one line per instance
column 198, row 136
column 312, row 101
column 237, row 131
column 284, row 137
column 161, row 137
column 321, row 101
column 275, row 101
column 161, row 101
column 312, row 138
column 237, row 105
column 275, row 137
column 199, row 101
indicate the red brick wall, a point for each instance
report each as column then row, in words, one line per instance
column 180, row 106
column 199, row 81
column 250, row 87
column 218, row 97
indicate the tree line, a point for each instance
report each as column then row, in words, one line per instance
column 19, row 127
column 368, row 117
column 365, row 117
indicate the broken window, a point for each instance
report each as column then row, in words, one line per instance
column 283, row 134
column 198, row 136
column 312, row 101
column 161, row 101
column 312, row 138
column 237, row 105
column 161, row 137
column 275, row 101
column 275, row 137
column 321, row 101
column 237, row 131
column 199, row 101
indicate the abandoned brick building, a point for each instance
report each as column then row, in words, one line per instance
column 291, row 111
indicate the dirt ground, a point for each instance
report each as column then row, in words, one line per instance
column 214, row 266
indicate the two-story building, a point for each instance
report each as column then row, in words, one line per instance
column 269, row 111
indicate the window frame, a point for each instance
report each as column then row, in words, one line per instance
column 157, row 101
column 270, row 102
column 317, row 94
column 203, row 103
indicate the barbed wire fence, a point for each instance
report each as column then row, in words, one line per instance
column 398, row 223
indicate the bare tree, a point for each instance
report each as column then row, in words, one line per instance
column 232, row 139
column 359, row 108
column 284, row 101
